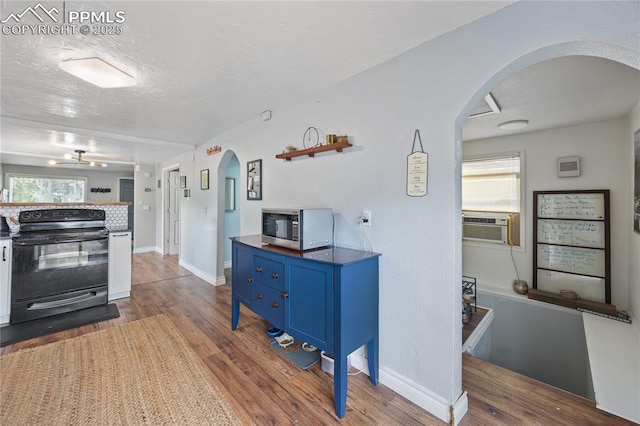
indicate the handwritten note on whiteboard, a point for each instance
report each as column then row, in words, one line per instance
column 571, row 206
column 590, row 288
column 572, row 232
column 572, row 259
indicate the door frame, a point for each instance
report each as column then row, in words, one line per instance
column 166, row 225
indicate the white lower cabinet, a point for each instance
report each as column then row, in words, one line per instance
column 119, row 264
column 5, row 281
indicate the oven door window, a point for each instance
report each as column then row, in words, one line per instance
column 280, row 226
column 49, row 269
column 70, row 259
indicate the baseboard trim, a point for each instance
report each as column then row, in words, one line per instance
column 144, row 249
column 419, row 395
column 119, row 295
column 359, row 361
column 213, row 280
column 459, row 409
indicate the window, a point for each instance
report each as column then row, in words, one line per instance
column 46, row 189
column 492, row 184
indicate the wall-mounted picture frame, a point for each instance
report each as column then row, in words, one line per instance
column 204, row 179
column 229, row 194
column 254, row 180
column 183, row 181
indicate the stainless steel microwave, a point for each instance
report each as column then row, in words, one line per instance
column 298, row 229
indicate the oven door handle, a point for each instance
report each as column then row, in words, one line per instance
column 57, row 241
column 37, row 306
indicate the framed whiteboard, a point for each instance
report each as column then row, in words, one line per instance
column 572, row 243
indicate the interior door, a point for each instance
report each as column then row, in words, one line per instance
column 174, row 211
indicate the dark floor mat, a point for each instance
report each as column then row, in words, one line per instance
column 28, row 330
column 296, row 354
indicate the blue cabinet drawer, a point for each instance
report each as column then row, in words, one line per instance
column 269, row 304
column 269, row 271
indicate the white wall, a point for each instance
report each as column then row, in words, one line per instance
column 634, row 239
column 433, row 88
column 603, row 150
column 144, row 213
column 198, row 214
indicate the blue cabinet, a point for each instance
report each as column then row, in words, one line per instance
column 309, row 314
column 242, row 275
column 327, row 297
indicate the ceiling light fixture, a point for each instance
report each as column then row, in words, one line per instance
column 78, row 160
column 97, row 72
column 513, row 124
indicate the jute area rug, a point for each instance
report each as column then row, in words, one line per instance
column 140, row 373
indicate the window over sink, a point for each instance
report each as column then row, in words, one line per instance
column 25, row 188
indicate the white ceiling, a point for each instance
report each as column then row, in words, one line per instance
column 204, row 67
column 560, row 92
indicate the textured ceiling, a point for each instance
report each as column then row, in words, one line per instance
column 202, row 67
column 560, row 92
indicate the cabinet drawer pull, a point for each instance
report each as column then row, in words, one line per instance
column 250, row 280
column 4, row 253
column 274, row 275
column 274, row 305
column 285, row 295
column 259, row 296
column 259, row 269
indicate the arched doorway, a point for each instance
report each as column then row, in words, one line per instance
column 578, row 49
column 228, row 209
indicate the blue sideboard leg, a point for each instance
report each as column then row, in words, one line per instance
column 372, row 359
column 340, row 384
column 235, row 313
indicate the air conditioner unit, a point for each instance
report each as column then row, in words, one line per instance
column 491, row 227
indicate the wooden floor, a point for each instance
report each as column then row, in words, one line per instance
column 263, row 388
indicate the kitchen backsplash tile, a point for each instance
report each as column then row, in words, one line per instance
column 116, row 215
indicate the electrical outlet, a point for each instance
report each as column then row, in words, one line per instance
column 366, row 217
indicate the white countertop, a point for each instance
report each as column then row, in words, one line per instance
column 614, row 357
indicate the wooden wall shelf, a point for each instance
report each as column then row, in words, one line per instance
column 312, row 151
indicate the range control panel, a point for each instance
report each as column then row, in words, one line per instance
column 60, row 215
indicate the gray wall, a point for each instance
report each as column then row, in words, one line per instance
column 541, row 341
column 145, row 209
